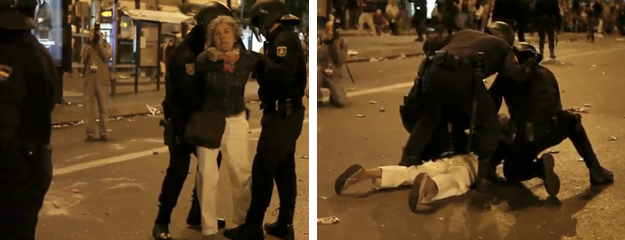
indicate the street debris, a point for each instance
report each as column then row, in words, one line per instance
column 374, row 60
column 373, row 102
column 351, row 52
column 402, row 56
column 586, row 105
column 75, row 191
column 612, row 138
column 79, row 105
column 578, row 110
column 382, row 110
column 440, row 219
column 594, row 65
column 303, row 157
column 553, row 151
column 153, row 111
column 351, row 90
column 322, row 197
column 381, row 71
column 107, row 213
column 580, row 159
column 360, row 116
column 327, row 220
column 155, row 153
column 56, row 205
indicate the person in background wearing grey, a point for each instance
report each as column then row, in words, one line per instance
column 368, row 12
column 331, row 56
column 392, row 12
column 96, row 55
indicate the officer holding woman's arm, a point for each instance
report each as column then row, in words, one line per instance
column 27, row 77
column 282, row 80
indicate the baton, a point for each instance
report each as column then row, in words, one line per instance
column 477, row 77
column 350, row 73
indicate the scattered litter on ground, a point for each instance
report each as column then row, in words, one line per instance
column 580, row 159
column 578, row 110
column 381, row 71
column 155, row 153
column 327, row 220
column 612, row 138
column 360, row 116
column 374, row 60
column 351, row 90
column 553, row 151
column 373, row 102
column 303, row 157
column 441, row 219
column 382, row 110
column 351, row 52
column 75, row 191
column 322, row 197
column 586, row 105
column 56, row 205
column 153, row 110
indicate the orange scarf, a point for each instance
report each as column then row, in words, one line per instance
column 229, row 58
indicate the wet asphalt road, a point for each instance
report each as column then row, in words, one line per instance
column 119, row 182
column 587, row 73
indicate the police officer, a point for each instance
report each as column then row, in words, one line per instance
column 513, row 12
column 548, row 20
column 27, row 77
column 537, row 115
column 177, row 108
column 449, row 13
column 282, row 80
column 452, row 90
column 331, row 57
column 419, row 17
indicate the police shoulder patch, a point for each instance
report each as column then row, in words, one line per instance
column 190, row 67
column 5, row 72
column 281, row 51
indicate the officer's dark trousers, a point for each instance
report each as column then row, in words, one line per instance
column 519, row 162
column 275, row 160
column 177, row 172
column 418, row 22
column 25, row 177
column 591, row 27
column 448, row 96
column 548, row 28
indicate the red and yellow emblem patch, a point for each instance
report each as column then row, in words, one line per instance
column 5, row 72
column 190, row 67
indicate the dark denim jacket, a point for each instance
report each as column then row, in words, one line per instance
column 220, row 91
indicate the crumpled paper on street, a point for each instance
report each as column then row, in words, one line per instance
column 153, row 111
column 328, row 220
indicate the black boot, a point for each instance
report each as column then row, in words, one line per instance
column 283, row 228
column 552, row 54
column 486, row 175
column 161, row 232
column 408, row 161
column 550, row 178
column 600, row 176
column 194, row 218
column 245, row 232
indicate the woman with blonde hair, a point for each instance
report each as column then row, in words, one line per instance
column 219, row 121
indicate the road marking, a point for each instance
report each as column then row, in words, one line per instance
column 121, row 158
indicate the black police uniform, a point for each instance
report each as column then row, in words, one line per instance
column 548, row 20
column 419, row 17
column 449, row 14
column 27, row 77
column 282, row 86
column 450, row 86
column 513, row 12
column 540, row 122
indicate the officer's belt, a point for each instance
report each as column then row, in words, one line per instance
column 451, row 61
column 288, row 103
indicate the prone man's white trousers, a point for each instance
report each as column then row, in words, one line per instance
column 453, row 176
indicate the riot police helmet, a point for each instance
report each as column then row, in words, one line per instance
column 501, row 30
column 524, row 51
column 210, row 11
column 266, row 13
column 12, row 14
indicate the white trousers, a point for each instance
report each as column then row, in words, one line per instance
column 453, row 176
column 234, row 149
